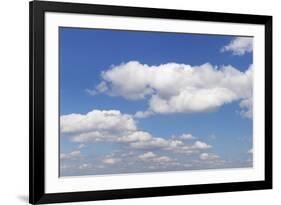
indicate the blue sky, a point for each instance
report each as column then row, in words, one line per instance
column 105, row 70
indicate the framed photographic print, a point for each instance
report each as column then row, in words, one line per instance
column 141, row 102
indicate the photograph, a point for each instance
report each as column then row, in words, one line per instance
column 140, row 102
column 148, row 102
column 132, row 102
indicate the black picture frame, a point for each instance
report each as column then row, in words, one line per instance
column 37, row 193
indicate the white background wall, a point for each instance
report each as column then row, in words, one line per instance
column 14, row 100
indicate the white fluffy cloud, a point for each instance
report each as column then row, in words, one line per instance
column 186, row 137
column 97, row 120
column 156, row 142
column 152, row 157
column 143, row 114
column 85, row 166
column 162, row 159
column 207, row 156
column 135, row 136
column 109, row 136
column 137, row 146
column 72, row 155
column 200, row 145
column 113, row 126
column 173, row 145
column 111, row 161
column 239, row 46
column 174, row 88
column 147, row 155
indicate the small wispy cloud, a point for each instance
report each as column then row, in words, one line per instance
column 143, row 114
column 111, row 161
column 250, row 151
column 91, row 92
column 72, row 155
column 207, row 156
column 239, row 46
column 100, row 88
column 186, row 137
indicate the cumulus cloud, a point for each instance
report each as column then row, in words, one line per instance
column 152, row 157
column 207, row 156
column 246, row 106
column 200, row 145
column 94, row 136
column 153, row 143
column 113, row 126
column 143, row 114
column 178, row 88
column 85, row 166
column 139, row 136
column 111, row 161
column 139, row 147
column 185, row 136
column 239, row 46
column 102, row 125
column 147, row 155
column 97, row 120
column 162, row 159
column 211, row 159
column 109, row 136
column 72, row 155
column 173, row 145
